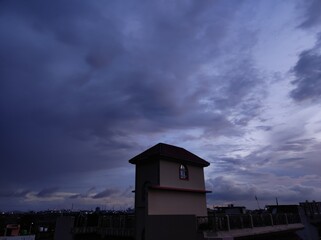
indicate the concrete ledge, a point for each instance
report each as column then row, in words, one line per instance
column 252, row 231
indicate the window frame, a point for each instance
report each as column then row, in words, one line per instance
column 183, row 172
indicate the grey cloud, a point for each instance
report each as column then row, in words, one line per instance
column 79, row 81
column 241, row 93
column 307, row 73
column 307, row 70
column 298, row 145
column 260, row 156
column 292, row 148
column 228, row 190
column 233, row 161
column 227, row 164
column 128, row 192
column 83, row 195
column 14, row 194
column 47, row 192
column 303, row 190
column 290, row 160
column 105, row 193
column 75, row 196
column 303, row 141
column 295, row 150
column 225, row 190
column 241, row 167
column 265, row 128
column 291, row 172
column 311, row 16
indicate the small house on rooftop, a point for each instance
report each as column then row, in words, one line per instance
column 169, row 181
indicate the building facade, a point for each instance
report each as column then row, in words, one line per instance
column 169, row 182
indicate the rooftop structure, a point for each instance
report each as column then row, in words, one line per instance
column 169, row 182
column 169, row 153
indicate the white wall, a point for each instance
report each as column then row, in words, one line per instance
column 169, row 176
column 163, row 202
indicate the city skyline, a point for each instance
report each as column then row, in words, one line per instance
column 86, row 86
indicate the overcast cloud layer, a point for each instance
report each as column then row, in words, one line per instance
column 86, row 86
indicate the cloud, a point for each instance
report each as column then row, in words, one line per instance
column 312, row 15
column 225, row 190
column 296, row 145
column 228, row 190
column 282, row 169
column 93, row 76
column 21, row 193
column 85, row 87
column 307, row 73
column 47, row 198
column 105, row 193
column 47, row 192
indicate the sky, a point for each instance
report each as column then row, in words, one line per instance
column 87, row 85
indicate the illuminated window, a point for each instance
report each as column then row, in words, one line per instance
column 183, row 172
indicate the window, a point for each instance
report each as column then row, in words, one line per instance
column 183, row 172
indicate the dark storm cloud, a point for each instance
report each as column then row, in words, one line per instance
column 78, row 81
column 307, row 73
column 307, row 70
column 49, row 111
column 47, row 114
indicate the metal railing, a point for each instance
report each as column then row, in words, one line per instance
column 221, row 222
column 107, row 225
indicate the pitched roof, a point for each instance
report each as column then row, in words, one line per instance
column 169, row 152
